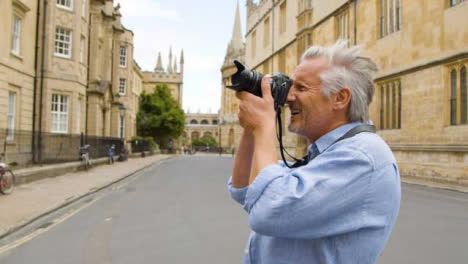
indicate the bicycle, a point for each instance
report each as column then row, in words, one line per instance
column 84, row 157
column 7, row 179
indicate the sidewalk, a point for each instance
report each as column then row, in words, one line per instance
column 31, row 200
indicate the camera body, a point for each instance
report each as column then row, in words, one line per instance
column 250, row 81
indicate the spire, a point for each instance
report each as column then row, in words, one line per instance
column 182, row 62
column 236, row 41
column 159, row 67
column 169, row 65
column 175, row 64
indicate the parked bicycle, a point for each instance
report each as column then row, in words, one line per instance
column 7, row 179
column 84, row 157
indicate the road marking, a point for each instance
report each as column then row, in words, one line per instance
column 39, row 231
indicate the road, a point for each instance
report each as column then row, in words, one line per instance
column 181, row 212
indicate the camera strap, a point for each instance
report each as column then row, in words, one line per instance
column 301, row 162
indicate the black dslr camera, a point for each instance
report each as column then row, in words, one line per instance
column 250, row 81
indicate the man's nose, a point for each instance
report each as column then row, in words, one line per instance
column 291, row 95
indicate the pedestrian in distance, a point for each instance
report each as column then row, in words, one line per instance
column 111, row 153
column 340, row 203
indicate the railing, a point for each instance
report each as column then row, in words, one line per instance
column 17, row 147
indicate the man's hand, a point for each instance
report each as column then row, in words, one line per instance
column 257, row 113
column 257, row 117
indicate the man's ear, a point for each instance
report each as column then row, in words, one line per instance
column 342, row 98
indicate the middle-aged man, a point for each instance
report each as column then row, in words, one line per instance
column 341, row 206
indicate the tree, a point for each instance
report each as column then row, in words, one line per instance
column 205, row 141
column 159, row 115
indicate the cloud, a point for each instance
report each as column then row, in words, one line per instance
column 147, row 8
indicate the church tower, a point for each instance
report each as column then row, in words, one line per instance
column 229, row 123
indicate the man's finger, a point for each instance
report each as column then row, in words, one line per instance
column 266, row 88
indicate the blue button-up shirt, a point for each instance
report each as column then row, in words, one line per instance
column 339, row 208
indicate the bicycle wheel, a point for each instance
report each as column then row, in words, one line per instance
column 8, row 182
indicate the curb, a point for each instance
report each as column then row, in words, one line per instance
column 68, row 202
column 436, row 185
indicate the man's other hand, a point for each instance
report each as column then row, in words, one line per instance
column 256, row 113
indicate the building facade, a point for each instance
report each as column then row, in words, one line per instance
column 200, row 125
column 420, row 103
column 230, row 129
column 173, row 76
column 67, row 72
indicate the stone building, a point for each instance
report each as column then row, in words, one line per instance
column 420, row 104
column 171, row 76
column 66, row 72
column 199, row 125
column 114, row 77
column 230, row 130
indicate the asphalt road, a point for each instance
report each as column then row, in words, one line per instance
column 181, row 212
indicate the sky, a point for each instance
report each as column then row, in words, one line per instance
column 201, row 28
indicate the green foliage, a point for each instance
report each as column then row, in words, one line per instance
column 159, row 115
column 205, row 141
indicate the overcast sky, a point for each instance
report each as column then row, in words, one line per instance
column 202, row 28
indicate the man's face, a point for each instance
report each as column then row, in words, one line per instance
column 311, row 111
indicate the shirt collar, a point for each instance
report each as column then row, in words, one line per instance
column 326, row 140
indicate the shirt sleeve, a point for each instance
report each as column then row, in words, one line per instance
column 326, row 197
column 238, row 194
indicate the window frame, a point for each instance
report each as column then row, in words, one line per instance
column 82, row 49
column 283, row 17
column 11, row 115
column 16, row 36
column 83, row 8
column 59, row 116
column 389, row 17
column 124, row 87
column 123, row 56
column 59, row 41
column 64, row 6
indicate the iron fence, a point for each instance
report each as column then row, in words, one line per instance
column 23, row 147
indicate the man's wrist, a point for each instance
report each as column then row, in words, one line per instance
column 264, row 130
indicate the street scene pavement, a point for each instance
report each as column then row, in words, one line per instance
column 178, row 210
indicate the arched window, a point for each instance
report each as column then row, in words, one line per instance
column 214, row 122
column 193, row 121
column 195, row 135
column 204, row 122
column 463, row 95
column 453, row 97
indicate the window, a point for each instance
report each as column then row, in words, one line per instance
column 342, row 25
column 283, row 17
column 123, row 56
column 390, row 16
column 282, row 61
column 254, row 43
column 266, row 32
column 204, row 122
column 453, row 2
column 83, row 8
column 458, row 96
column 463, row 96
column 16, row 36
column 121, row 126
column 194, row 122
column 59, row 113
column 78, row 116
column 82, row 46
column 67, row 4
column 63, row 42
column 453, row 97
column 122, row 86
column 11, row 115
column 390, row 105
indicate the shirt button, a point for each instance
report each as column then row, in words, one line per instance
column 246, row 251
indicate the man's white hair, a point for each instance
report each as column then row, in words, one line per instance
column 347, row 69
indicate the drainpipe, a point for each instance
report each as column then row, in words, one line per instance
column 36, row 66
column 39, row 140
column 272, row 33
column 89, row 66
column 355, row 22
